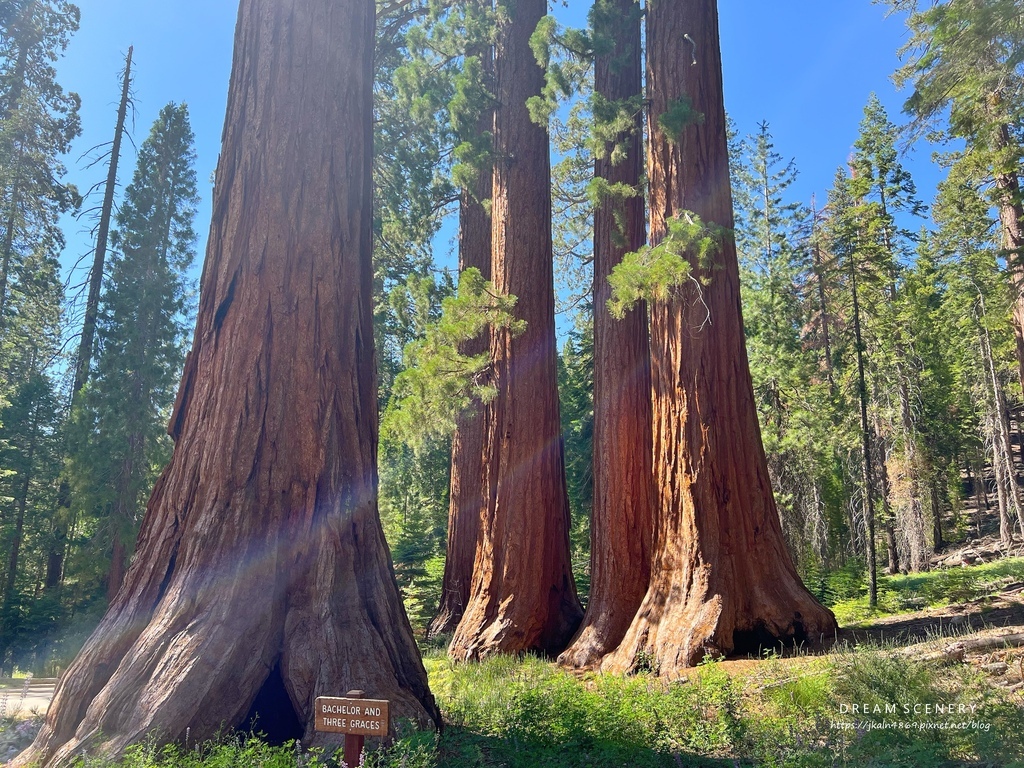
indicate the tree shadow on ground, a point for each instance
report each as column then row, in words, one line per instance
column 954, row 621
column 464, row 748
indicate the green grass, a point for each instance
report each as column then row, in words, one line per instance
column 526, row 713
column 931, row 589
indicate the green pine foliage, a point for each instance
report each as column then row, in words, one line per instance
column 30, row 443
column 576, row 393
column 413, row 502
column 964, row 57
column 439, row 381
column 38, row 121
column 679, row 116
column 795, row 405
column 655, row 271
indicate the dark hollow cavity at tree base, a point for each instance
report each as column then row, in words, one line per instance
column 759, row 640
column 272, row 715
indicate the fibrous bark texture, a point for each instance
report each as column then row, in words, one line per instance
column 466, row 496
column 722, row 580
column 523, row 596
column 1011, row 219
column 622, row 525
column 261, row 559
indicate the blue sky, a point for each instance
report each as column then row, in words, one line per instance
column 805, row 67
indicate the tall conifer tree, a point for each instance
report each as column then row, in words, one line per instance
column 141, row 327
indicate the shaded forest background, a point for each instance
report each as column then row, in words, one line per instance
column 883, row 329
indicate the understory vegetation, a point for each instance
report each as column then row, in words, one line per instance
column 513, row 712
column 525, row 713
column 929, row 589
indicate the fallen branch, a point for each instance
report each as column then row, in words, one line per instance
column 957, row 652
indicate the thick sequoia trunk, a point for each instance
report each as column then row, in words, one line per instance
column 622, row 526
column 523, row 596
column 261, row 564
column 1011, row 218
column 722, row 578
column 466, row 496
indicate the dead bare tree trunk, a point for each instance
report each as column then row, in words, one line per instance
column 722, row 578
column 261, row 565
column 523, row 596
column 1002, row 452
column 622, row 525
column 63, row 519
column 92, row 304
column 888, row 519
column 911, row 505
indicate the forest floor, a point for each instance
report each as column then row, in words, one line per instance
column 933, row 641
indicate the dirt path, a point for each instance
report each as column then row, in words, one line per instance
column 18, row 699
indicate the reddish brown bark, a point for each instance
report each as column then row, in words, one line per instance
column 622, row 525
column 1011, row 219
column 722, row 578
column 523, row 596
column 261, row 564
column 466, row 497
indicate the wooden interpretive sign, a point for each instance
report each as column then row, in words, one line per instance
column 356, row 716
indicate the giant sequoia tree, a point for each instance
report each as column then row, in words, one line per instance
column 261, row 565
column 622, row 521
column 722, row 579
column 523, row 595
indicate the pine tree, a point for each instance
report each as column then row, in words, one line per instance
column 965, row 61
column 576, row 396
column 29, row 443
column 975, row 307
column 793, row 400
column 844, row 236
column 883, row 191
column 122, row 441
column 38, row 121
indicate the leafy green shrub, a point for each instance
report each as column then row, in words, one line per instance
column 847, row 583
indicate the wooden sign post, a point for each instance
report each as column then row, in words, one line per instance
column 354, row 716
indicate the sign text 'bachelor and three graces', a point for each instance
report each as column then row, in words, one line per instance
column 362, row 717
